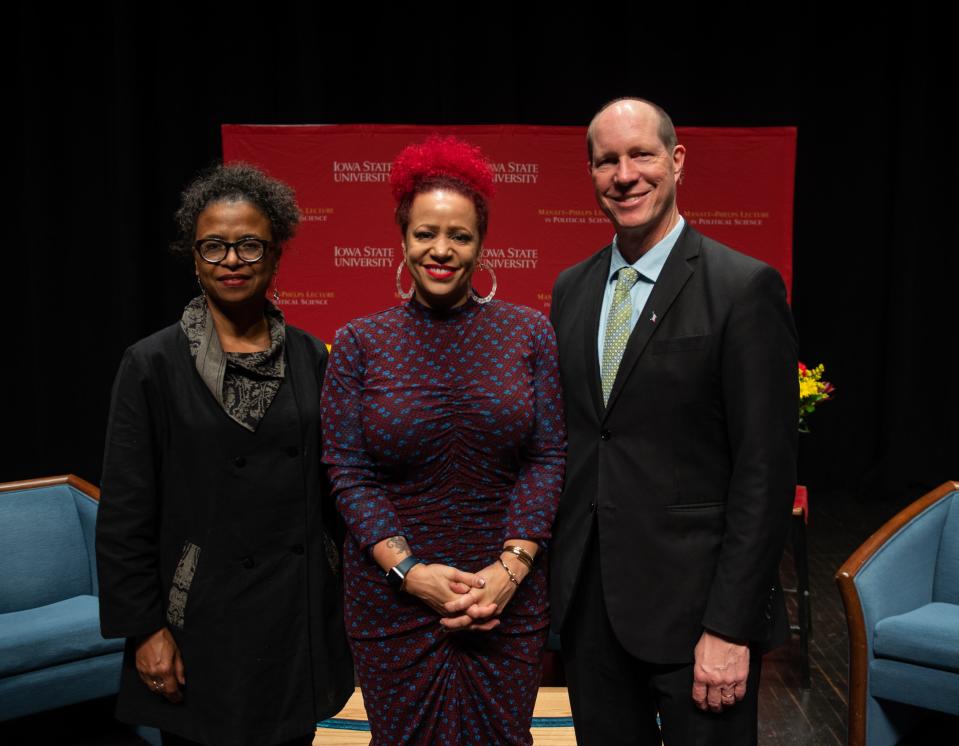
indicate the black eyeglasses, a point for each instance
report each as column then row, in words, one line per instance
column 248, row 250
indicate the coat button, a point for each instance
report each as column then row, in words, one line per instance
column 592, row 507
column 239, row 462
column 606, row 435
column 297, row 549
column 247, row 562
column 292, row 451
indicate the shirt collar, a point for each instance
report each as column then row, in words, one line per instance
column 650, row 264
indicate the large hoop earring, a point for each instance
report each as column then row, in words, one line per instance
column 276, row 289
column 200, row 285
column 404, row 294
column 492, row 293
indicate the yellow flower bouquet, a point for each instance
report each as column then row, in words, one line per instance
column 812, row 390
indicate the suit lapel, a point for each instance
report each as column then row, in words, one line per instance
column 595, row 283
column 674, row 275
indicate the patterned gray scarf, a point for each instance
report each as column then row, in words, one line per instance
column 243, row 383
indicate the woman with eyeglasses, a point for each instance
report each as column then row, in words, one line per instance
column 214, row 536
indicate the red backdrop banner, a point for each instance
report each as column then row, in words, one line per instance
column 738, row 189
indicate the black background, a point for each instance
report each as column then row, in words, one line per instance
column 116, row 107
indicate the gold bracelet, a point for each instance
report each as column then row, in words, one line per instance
column 512, row 575
column 525, row 557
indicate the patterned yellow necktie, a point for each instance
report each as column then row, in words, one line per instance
column 617, row 328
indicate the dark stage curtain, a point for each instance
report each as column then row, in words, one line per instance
column 115, row 107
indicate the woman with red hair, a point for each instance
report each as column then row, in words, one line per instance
column 445, row 436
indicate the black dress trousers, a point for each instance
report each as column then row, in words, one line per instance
column 616, row 697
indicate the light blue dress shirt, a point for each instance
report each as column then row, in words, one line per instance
column 649, row 265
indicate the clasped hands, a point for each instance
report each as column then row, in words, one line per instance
column 464, row 600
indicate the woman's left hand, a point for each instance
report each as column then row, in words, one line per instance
column 466, row 612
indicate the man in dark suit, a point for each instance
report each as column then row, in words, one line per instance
column 678, row 360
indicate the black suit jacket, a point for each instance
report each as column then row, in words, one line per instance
column 690, row 470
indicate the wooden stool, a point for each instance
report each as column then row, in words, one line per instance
column 803, row 626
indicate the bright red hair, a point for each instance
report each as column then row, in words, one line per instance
column 442, row 163
column 441, row 157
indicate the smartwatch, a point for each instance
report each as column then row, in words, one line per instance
column 396, row 577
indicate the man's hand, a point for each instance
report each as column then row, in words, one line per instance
column 720, row 668
column 160, row 665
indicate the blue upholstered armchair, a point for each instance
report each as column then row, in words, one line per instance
column 901, row 593
column 51, row 651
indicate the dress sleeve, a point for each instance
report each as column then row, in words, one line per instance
column 131, row 601
column 361, row 500
column 535, row 497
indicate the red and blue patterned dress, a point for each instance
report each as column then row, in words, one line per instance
column 445, row 427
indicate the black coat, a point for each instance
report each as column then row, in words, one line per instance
column 262, row 635
column 690, row 470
